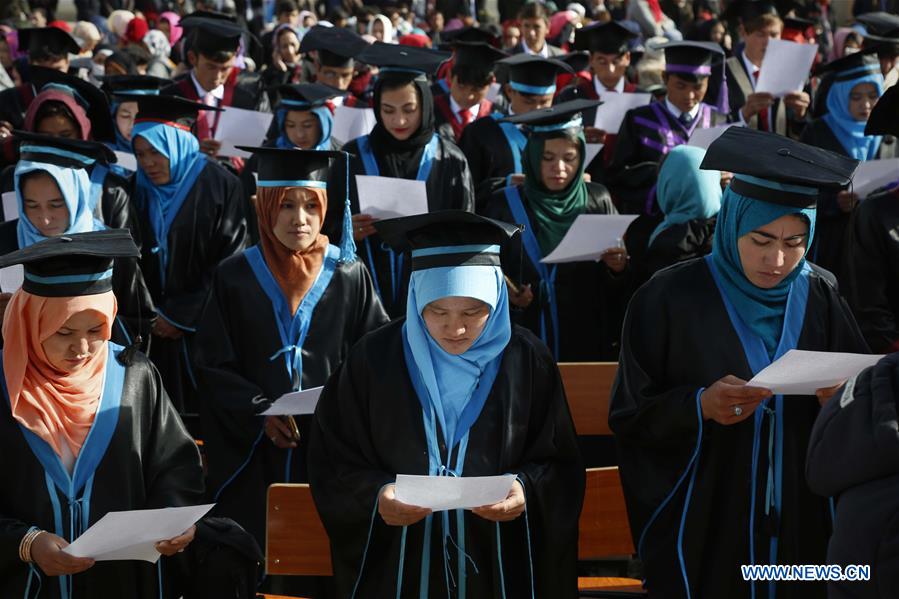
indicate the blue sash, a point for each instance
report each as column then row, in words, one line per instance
column 515, row 139
column 546, row 273
column 78, row 486
column 758, row 359
column 371, row 169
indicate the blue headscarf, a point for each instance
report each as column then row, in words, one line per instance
column 451, row 380
column 75, row 185
column 185, row 164
column 849, row 131
column 685, row 192
column 325, row 119
column 761, row 309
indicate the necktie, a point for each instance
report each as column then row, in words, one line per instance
column 763, row 115
column 209, row 100
column 685, row 119
column 464, row 117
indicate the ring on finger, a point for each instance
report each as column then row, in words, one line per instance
column 738, row 411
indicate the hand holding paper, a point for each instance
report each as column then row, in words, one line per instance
column 240, row 127
column 388, row 197
column 295, row 403
column 800, row 372
column 785, row 67
column 589, row 237
column 440, row 493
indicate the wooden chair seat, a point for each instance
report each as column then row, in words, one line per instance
column 608, row 583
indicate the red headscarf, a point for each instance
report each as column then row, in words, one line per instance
column 56, row 95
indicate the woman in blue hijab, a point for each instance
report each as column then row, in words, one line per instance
column 459, row 392
column 856, row 85
column 192, row 218
column 122, row 91
column 713, row 469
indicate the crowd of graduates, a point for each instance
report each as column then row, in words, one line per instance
column 161, row 291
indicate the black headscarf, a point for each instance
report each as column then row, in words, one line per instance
column 397, row 158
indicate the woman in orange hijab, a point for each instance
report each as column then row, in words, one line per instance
column 89, row 428
column 282, row 315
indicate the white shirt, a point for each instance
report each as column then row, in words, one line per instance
column 544, row 52
column 752, row 70
column 473, row 111
column 601, row 89
column 676, row 112
column 218, row 93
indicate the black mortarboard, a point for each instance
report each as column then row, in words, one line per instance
column 209, row 34
column 851, row 66
column 452, row 231
column 171, row 110
column 133, row 84
column 781, row 170
column 798, row 23
column 749, row 10
column 608, row 38
column 578, row 61
column 697, row 59
column 47, row 40
column 476, row 55
column 530, row 74
column 408, row 59
column 886, row 44
column 336, row 47
column 879, row 23
column 486, row 34
column 89, row 97
column 306, row 96
column 566, row 115
column 70, row 153
column 72, row 265
column 883, row 119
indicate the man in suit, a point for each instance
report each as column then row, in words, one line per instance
column 534, row 23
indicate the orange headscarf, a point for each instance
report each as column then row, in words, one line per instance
column 48, row 402
column 295, row 272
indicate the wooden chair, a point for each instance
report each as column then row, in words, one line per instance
column 588, row 386
column 295, row 538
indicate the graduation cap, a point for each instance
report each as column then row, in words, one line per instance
column 883, row 119
column 798, row 23
column 485, row 34
column 885, row 45
column 69, row 153
column 447, row 238
column 749, row 10
column 578, row 61
column 476, row 56
column 879, row 22
column 696, row 59
column 72, row 265
column 212, row 34
column 782, row 171
column 608, row 38
column 403, row 59
column 336, row 47
column 851, row 66
column 531, row 74
column 170, row 110
column 566, row 115
column 280, row 167
column 306, row 96
column 42, row 41
column 133, row 85
column 89, row 97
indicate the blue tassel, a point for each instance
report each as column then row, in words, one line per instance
column 347, row 243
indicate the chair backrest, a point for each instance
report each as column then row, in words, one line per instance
column 603, row 528
column 295, row 538
column 588, row 387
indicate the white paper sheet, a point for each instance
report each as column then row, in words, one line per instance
column 871, row 175
column 240, row 127
column 589, row 236
column 785, row 67
column 126, row 160
column 703, row 138
column 592, row 151
column 440, row 493
column 350, row 123
column 11, row 278
column 388, row 197
column 295, row 403
column 10, row 206
column 800, row 372
column 493, row 91
column 610, row 114
column 133, row 535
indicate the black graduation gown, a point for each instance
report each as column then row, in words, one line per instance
column 209, row 227
column 590, row 298
column 873, row 270
column 151, row 462
column 490, row 158
column 14, row 104
column 677, row 243
column 236, row 338
column 641, row 143
column 678, row 339
column 524, row 428
column 448, row 187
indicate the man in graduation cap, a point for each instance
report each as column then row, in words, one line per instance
column 335, row 65
column 759, row 23
column 212, row 45
column 493, row 148
column 470, row 79
column 694, row 73
column 48, row 49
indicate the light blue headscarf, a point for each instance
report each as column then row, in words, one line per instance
column 685, row 192
column 185, row 164
column 325, row 119
column 75, row 185
column 451, row 380
column 121, row 144
column 761, row 309
column 849, row 131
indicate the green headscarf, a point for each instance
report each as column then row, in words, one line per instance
column 554, row 211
